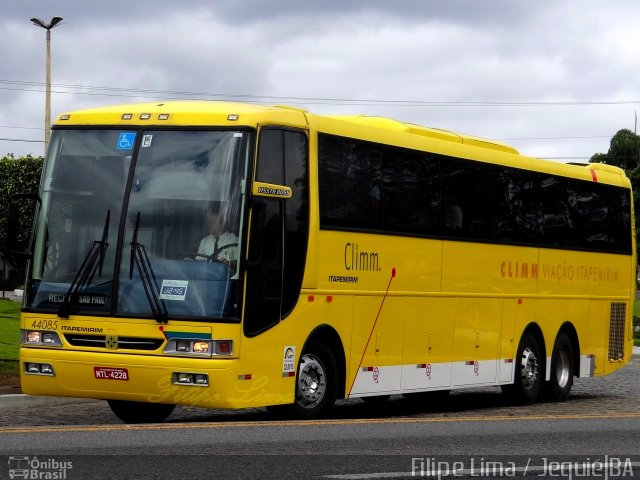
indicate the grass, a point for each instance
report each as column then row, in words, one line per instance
column 9, row 329
column 9, row 340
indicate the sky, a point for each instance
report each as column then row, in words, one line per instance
column 554, row 78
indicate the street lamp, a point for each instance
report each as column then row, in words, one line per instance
column 47, row 113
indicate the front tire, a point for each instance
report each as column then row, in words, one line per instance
column 528, row 374
column 562, row 370
column 316, row 383
column 140, row 412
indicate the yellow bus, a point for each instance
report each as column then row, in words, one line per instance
column 230, row 255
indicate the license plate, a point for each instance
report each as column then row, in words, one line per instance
column 109, row 373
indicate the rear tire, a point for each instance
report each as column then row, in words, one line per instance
column 140, row 412
column 528, row 372
column 562, row 370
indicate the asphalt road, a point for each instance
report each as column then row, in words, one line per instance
column 599, row 423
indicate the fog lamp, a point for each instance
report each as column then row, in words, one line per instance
column 32, row 368
column 201, row 379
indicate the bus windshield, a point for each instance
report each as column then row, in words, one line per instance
column 140, row 223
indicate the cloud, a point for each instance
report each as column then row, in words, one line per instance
column 368, row 51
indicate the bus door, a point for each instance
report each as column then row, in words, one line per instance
column 279, row 229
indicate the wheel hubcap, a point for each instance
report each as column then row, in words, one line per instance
column 312, row 382
column 529, row 368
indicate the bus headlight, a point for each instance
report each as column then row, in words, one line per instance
column 33, row 337
column 199, row 348
column 40, row 338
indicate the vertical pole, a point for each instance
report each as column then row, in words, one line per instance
column 47, row 108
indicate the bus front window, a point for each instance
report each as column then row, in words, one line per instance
column 82, row 190
column 182, row 230
column 174, row 251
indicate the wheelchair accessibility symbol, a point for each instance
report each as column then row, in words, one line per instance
column 126, row 140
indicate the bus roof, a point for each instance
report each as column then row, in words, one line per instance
column 199, row 112
column 390, row 124
column 184, row 113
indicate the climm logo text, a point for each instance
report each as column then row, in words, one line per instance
column 519, row 270
column 356, row 259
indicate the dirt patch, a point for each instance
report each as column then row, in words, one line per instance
column 9, row 377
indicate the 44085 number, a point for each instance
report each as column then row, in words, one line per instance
column 46, row 324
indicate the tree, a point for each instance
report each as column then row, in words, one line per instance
column 624, row 151
column 17, row 175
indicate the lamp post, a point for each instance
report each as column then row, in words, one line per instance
column 47, row 108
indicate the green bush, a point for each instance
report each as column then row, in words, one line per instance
column 17, row 175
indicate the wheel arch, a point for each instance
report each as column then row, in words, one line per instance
column 327, row 336
column 534, row 329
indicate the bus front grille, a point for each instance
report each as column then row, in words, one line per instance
column 102, row 341
column 616, row 330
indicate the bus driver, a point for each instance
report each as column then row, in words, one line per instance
column 220, row 244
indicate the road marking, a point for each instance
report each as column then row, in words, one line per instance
column 308, row 423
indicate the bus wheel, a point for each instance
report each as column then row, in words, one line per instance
column 562, row 369
column 140, row 412
column 316, row 386
column 526, row 384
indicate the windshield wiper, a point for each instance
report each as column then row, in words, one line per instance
column 93, row 261
column 147, row 277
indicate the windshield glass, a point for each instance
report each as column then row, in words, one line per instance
column 83, row 183
column 183, row 224
column 179, row 238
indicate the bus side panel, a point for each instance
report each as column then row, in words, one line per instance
column 583, row 274
column 378, row 332
column 428, row 345
column 477, row 268
column 477, row 328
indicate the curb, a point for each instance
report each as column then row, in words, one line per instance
column 23, row 400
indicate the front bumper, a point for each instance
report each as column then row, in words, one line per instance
column 149, row 379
